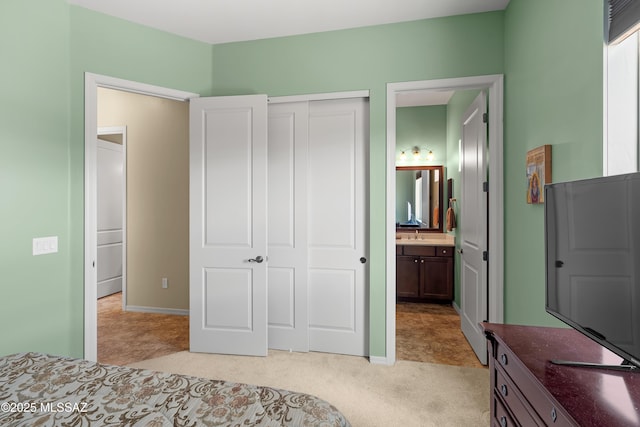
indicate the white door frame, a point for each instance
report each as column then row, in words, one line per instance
column 122, row 131
column 495, row 86
column 91, row 84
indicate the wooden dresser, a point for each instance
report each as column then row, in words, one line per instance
column 528, row 390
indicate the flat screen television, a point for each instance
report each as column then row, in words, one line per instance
column 592, row 244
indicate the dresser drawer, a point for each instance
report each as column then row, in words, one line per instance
column 510, row 394
column 420, row 250
column 502, row 417
column 548, row 412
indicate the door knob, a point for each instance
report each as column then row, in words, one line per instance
column 363, row 260
column 257, row 259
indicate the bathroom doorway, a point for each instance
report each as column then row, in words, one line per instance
column 493, row 85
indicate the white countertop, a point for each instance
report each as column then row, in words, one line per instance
column 425, row 239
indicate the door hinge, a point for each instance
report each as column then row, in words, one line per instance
column 485, row 187
column 485, row 255
column 485, row 117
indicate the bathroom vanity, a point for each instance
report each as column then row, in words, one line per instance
column 424, row 268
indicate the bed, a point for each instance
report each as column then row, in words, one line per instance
column 43, row 390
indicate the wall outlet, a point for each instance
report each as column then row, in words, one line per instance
column 45, row 245
column 165, row 283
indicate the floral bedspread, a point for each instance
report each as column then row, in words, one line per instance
column 43, row 390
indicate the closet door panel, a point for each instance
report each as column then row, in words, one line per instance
column 338, row 141
column 332, row 180
column 228, row 225
column 287, row 226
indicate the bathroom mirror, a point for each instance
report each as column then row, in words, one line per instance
column 419, row 198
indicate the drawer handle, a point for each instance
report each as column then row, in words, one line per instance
column 444, row 251
column 503, row 358
column 503, row 390
column 554, row 414
column 503, row 421
column 415, row 260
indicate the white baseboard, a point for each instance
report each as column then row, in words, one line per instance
column 455, row 307
column 109, row 287
column 141, row 309
column 376, row 360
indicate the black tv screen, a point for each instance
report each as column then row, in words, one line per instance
column 592, row 243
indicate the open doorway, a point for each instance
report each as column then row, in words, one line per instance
column 148, row 219
column 143, row 320
column 493, row 85
column 428, row 131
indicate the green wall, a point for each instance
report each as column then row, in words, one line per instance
column 425, row 127
column 36, row 294
column 365, row 58
column 553, row 95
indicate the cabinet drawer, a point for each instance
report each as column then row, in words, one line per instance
column 446, row 251
column 510, row 394
column 544, row 406
column 502, row 417
column 420, row 250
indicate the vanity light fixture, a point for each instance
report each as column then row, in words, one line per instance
column 417, row 155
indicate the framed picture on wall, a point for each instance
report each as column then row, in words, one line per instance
column 538, row 173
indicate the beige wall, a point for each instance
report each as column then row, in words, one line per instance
column 157, row 195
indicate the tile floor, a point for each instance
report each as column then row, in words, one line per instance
column 126, row 337
column 424, row 333
column 431, row 333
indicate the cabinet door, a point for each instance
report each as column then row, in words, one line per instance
column 407, row 276
column 437, row 278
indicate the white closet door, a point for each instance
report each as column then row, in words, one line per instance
column 110, row 186
column 337, row 277
column 228, row 225
column 287, row 226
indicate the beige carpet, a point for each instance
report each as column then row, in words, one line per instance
column 406, row 394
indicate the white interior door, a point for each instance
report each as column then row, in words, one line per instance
column 473, row 226
column 110, row 191
column 228, row 229
column 287, row 231
column 337, row 278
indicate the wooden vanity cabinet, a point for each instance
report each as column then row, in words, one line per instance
column 407, row 277
column 424, row 272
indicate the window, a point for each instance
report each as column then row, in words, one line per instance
column 621, row 98
column 621, row 107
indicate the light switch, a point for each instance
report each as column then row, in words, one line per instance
column 45, row 245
